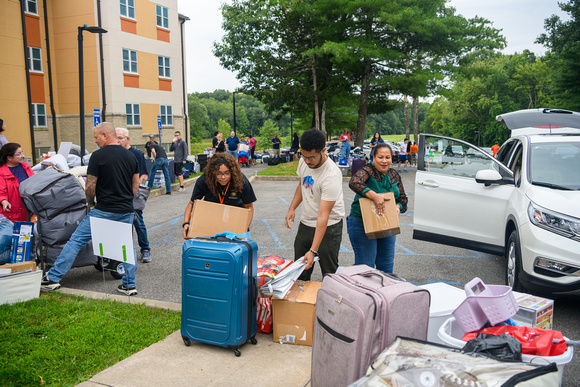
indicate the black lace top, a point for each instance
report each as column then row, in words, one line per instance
column 368, row 177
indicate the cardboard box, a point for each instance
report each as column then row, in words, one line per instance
column 536, row 312
column 380, row 226
column 21, row 241
column 19, row 287
column 293, row 317
column 208, row 219
column 20, row 266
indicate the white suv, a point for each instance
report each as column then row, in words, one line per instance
column 523, row 204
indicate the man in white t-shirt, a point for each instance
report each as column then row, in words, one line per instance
column 403, row 155
column 320, row 190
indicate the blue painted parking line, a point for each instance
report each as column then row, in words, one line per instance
column 283, row 200
column 277, row 241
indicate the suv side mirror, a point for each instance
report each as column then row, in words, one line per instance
column 491, row 176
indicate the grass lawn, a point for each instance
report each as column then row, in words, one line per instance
column 63, row 340
column 283, row 169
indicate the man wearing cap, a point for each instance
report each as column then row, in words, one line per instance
column 161, row 161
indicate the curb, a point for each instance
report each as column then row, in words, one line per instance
column 126, row 299
column 174, row 187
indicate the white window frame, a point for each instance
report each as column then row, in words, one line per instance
column 162, row 16
column 130, row 61
column 129, row 6
column 166, row 113
column 133, row 111
column 164, row 66
column 27, row 7
column 32, row 60
column 39, row 115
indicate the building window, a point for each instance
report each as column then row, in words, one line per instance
column 128, row 8
column 34, row 59
column 166, row 115
column 39, row 114
column 162, row 17
column 30, row 6
column 130, row 61
column 163, row 63
column 133, row 116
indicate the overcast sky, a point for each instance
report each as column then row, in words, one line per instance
column 521, row 21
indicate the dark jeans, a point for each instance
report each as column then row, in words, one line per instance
column 328, row 250
column 141, row 231
column 162, row 163
column 379, row 253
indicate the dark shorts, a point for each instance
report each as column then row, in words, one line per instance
column 402, row 157
column 178, row 168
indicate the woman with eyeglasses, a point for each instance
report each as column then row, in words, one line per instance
column 369, row 182
column 13, row 171
column 222, row 182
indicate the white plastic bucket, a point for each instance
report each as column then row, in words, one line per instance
column 451, row 333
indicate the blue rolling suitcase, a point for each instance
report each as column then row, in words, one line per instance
column 218, row 292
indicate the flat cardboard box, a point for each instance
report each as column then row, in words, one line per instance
column 534, row 311
column 20, row 287
column 208, row 219
column 20, row 266
column 293, row 317
column 382, row 226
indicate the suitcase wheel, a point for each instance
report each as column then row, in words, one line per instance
column 237, row 352
column 253, row 340
column 186, row 341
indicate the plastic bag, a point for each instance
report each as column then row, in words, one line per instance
column 502, row 347
column 535, row 341
column 268, row 267
column 6, row 231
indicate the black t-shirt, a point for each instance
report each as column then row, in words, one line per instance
column 159, row 151
column 114, row 167
column 232, row 198
column 214, row 142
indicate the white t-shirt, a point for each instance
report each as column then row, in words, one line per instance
column 403, row 148
column 322, row 183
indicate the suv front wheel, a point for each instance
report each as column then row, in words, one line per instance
column 513, row 262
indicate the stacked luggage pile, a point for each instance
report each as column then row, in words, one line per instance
column 59, row 203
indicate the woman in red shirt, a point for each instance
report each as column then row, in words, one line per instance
column 13, row 171
column 345, row 140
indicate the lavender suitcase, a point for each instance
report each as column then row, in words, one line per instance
column 359, row 312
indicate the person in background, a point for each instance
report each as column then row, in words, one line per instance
column 374, row 142
column 295, row 145
column 179, row 147
column 252, row 144
column 320, row 191
column 414, row 153
column 161, row 161
column 13, row 171
column 113, row 179
column 352, row 138
column 403, row 155
column 3, row 139
column 222, row 181
column 232, row 142
column 495, row 148
column 214, row 141
column 149, row 144
column 345, row 145
column 276, row 145
column 138, row 222
column 221, row 146
column 369, row 182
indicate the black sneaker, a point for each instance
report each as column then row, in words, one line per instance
column 128, row 291
column 46, row 285
column 168, row 193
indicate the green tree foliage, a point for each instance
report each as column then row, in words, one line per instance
column 267, row 133
column 562, row 38
column 488, row 86
column 224, row 128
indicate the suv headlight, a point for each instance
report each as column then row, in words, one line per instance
column 560, row 224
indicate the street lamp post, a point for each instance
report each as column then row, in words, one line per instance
column 93, row 30
column 234, row 95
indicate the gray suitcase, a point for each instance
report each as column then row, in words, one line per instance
column 359, row 312
column 61, row 226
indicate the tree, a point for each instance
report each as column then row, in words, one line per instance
column 562, row 38
column 267, row 133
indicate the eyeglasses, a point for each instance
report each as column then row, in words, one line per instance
column 311, row 158
column 225, row 174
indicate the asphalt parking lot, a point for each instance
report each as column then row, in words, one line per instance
column 417, row 261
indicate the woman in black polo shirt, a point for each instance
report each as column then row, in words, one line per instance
column 222, row 182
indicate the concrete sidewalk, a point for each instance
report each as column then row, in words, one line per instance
column 170, row 363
